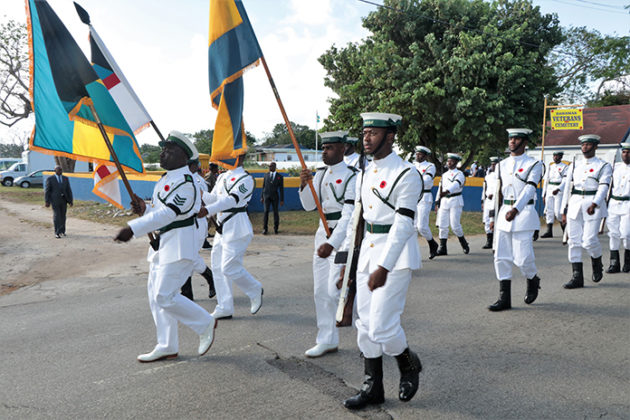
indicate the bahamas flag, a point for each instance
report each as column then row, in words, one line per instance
column 63, row 85
column 232, row 49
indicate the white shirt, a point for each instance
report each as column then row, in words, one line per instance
column 621, row 188
column 427, row 172
column 592, row 174
column 554, row 178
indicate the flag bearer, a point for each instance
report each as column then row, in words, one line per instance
column 552, row 195
column 618, row 221
column 514, row 226
column 585, row 205
column 451, row 204
column 487, row 200
column 228, row 200
column 427, row 172
column 335, row 186
column 172, row 212
column 389, row 193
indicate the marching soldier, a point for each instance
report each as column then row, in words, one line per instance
column 201, row 232
column 427, row 172
column 389, row 191
column 514, row 226
column 585, row 205
column 173, row 211
column 335, row 186
column 552, row 196
column 228, row 200
column 451, row 204
column 618, row 221
column 487, row 200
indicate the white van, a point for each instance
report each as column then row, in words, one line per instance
column 5, row 163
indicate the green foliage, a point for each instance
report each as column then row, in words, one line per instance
column 585, row 57
column 203, row 140
column 611, row 98
column 459, row 72
column 304, row 135
column 150, row 153
column 11, row 150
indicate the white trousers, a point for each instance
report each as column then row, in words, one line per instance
column 422, row 219
column 552, row 207
column 227, row 267
column 168, row 306
column 446, row 217
column 488, row 205
column 326, row 296
column 517, row 248
column 378, row 327
column 618, row 230
column 583, row 234
column 199, row 265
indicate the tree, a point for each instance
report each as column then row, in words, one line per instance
column 304, row 135
column 611, row 98
column 459, row 72
column 15, row 104
column 202, row 140
column 11, row 150
column 150, row 153
column 585, row 58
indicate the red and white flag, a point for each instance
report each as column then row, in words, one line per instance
column 106, row 184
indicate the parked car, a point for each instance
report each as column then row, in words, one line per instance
column 32, row 179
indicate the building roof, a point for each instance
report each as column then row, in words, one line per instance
column 609, row 122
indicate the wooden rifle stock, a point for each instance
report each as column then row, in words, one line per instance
column 498, row 200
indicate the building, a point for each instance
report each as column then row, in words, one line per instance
column 285, row 155
column 611, row 123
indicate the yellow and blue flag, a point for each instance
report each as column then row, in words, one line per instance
column 232, row 49
column 63, row 85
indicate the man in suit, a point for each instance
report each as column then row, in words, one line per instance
column 59, row 194
column 272, row 194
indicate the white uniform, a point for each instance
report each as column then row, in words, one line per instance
column 427, row 172
column 173, row 210
column 228, row 200
column 554, row 180
column 591, row 178
column 389, row 195
column 335, row 186
column 489, row 189
column 618, row 221
column 451, row 205
column 520, row 176
column 201, row 231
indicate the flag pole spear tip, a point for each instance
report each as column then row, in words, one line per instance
column 83, row 14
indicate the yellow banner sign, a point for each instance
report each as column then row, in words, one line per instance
column 567, row 119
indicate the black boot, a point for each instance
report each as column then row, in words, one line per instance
column 442, row 249
column 598, row 269
column 577, row 280
column 626, row 261
column 410, row 368
column 372, row 391
column 563, row 226
column 187, row 289
column 549, row 233
column 533, row 285
column 433, row 247
column 208, row 276
column 505, row 297
column 464, row 244
column 615, row 265
column 536, row 235
column 489, row 237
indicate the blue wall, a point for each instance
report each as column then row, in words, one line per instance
column 82, row 190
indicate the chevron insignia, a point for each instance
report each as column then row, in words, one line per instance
column 179, row 200
column 242, row 188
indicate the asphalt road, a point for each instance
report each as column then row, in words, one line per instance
column 69, row 345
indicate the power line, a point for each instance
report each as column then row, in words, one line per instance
column 618, row 12
column 617, row 8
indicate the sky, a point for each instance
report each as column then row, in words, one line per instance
column 161, row 46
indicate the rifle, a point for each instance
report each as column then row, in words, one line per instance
column 348, row 289
column 438, row 197
column 610, row 189
column 498, row 200
column 565, row 235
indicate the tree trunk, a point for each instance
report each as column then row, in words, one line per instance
column 67, row 164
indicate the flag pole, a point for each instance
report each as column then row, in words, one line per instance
column 544, row 126
column 296, row 145
column 121, row 171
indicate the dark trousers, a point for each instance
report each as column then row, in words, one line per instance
column 276, row 216
column 59, row 217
